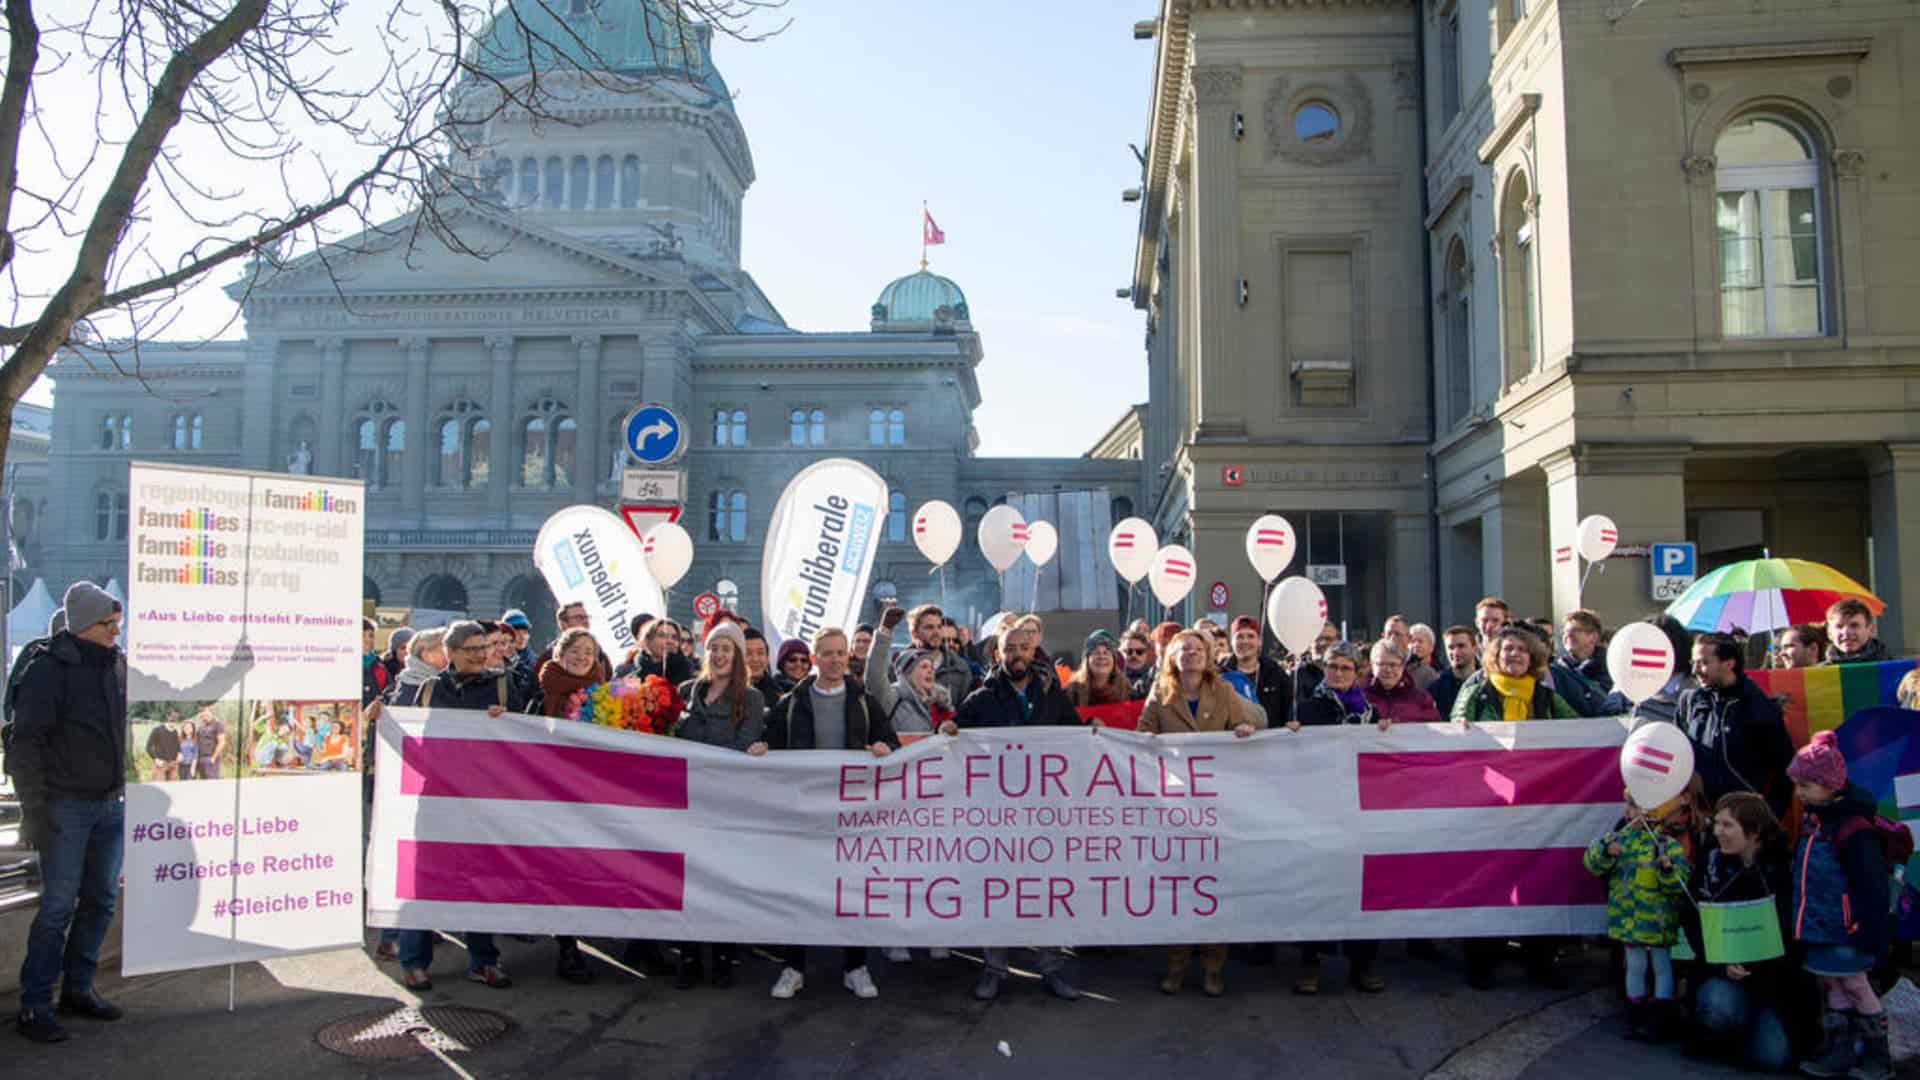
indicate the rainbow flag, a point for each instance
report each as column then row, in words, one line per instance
column 1821, row 698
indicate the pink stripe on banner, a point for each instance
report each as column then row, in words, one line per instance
column 1436, row 880
column 1475, row 779
column 537, row 772
column 546, row 876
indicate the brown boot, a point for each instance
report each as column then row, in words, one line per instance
column 1178, row 957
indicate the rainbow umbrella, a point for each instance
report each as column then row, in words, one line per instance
column 1767, row 594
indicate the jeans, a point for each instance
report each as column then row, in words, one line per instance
column 1045, row 961
column 1725, row 1010
column 207, row 768
column 416, row 950
column 80, row 882
column 1639, row 958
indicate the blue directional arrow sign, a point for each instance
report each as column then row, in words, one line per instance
column 655, row 435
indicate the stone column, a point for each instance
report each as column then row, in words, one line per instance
column 501, row 461
column 255, row 439
column 1513, row 548
column 1894, row 492
column 1220, row 367
column 1642, row 487
column 420, row 442
column 589, row 455
column 332, row 436
column 1410, row 589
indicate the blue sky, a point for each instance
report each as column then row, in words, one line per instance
column 1010, row 118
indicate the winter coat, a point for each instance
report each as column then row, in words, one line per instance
column 713, row 724
column 1221, row 709
column 1480, row 703
column 1840, row 894
column 1593, row 669
column 1740, row 742
column 1272, row 689
column 373, row 678
column 998, row 704
column 1404, row 704
column 1643, row 900
column 1875, row 652
column 70, row 722
column 789, row 723
column 481, row 690
column 1575, row 689
column 1321, row 707
column 1445, row 690
column 1720, row 879
column 678, row 668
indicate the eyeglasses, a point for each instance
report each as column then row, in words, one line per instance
column 1135, row 651
column 1341, row 665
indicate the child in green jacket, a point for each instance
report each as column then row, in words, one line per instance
column 1646, row 871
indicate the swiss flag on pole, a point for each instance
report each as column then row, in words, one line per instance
column 930, row 233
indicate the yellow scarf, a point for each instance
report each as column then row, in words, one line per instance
column 1516, row 695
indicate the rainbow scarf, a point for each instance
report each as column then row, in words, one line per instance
column 1822, row 698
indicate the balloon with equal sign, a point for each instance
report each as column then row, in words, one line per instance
column 1130, row 547
column 1172, row 574
column 936, row 531
column 1270, row 546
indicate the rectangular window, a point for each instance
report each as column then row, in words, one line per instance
column 1319, row 325
column 1529, row 305
column 1449, row 49
column 1769, row 262
column 1459, row 359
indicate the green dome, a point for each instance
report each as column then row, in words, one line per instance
column 634, row 38
column 916, row 298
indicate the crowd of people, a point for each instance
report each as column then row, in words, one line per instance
column 1759, row 821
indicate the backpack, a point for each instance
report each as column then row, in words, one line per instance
column 1896, row 840
column 28, row 653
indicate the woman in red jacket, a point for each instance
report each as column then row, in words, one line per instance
column 1391, row 692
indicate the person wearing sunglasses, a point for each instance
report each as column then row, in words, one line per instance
column 1136, row 657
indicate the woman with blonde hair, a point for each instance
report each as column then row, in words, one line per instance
column 1190, row 696
column 1511, row 683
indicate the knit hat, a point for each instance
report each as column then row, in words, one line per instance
column 517, row 619
column 732, row 633
column 1098, row 638
column 790, row 647
column 913, row 656
column 1819, row 762
column 398, row 638
column 87, row 604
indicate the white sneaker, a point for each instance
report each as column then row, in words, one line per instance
column 860, row 983
column 897, row 955
column 789, row 983
column 939, row 952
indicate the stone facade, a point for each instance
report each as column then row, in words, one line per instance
column 1668, row 269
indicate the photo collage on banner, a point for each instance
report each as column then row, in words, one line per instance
column 243, row 679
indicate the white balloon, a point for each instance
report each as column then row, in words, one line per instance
column 1042, row 542
column 1172, row 574
column 669, row 553
column 1130, row 547
column 936, row 532
column 1296, row 613
column 1640, row 660
column 1598, row 537
column 1002, row 535
column 1656, row 763
column 1269, row 545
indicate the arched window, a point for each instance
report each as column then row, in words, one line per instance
column 1122, row 508
column 797, row 427
column 896, row 517
column 441, row 592
column 807, row 427
column 547, row 446
column 1519, row 268
column 529, row 192
column 603, row 183
column 577, row 183
column 120, row 515
column 877, row 427
column 194, row 430
column 369, row 589
column 393, row 457
column 102, row 516
column 629, row 182
column 972, row 511
column 1457, row 319
column 180, row 431
column 366, row 455
column 377, row 433
column 554, row 184
column 730, row 427
column 126, row 431
column 1771, row 237
column 727, row 517
column 896, row 427
column 464, row 436
column 109, row 431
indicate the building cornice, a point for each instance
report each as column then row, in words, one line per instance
column 1507, row 127
column 1849, row 49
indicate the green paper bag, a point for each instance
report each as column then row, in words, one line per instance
column 1741, row 933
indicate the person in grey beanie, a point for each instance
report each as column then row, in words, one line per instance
column 69, row 746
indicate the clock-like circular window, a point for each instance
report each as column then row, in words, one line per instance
column 1316, row 123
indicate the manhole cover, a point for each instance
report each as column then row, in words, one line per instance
column 413, row 1032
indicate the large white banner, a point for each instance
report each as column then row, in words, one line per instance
column 820, row 548
column 1020, row 836
column 244, row 674
column 591, row 557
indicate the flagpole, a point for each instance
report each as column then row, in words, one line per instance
column 924, row 214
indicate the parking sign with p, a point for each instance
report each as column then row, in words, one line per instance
column 1675, row 566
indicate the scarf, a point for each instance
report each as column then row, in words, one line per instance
column 1353, row 698
column 1516, row 695
column 416, row 672
column 557, row 685
column 1874, row 653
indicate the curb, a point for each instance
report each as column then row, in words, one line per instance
column 1508, row 1050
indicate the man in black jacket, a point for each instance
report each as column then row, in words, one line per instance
column 1017, row 694
column 469, row 682
column 1740, row 740
column 1272, row 688
column 828, row 711
column 67, row 760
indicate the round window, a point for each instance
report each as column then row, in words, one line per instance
column 1315, row 122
